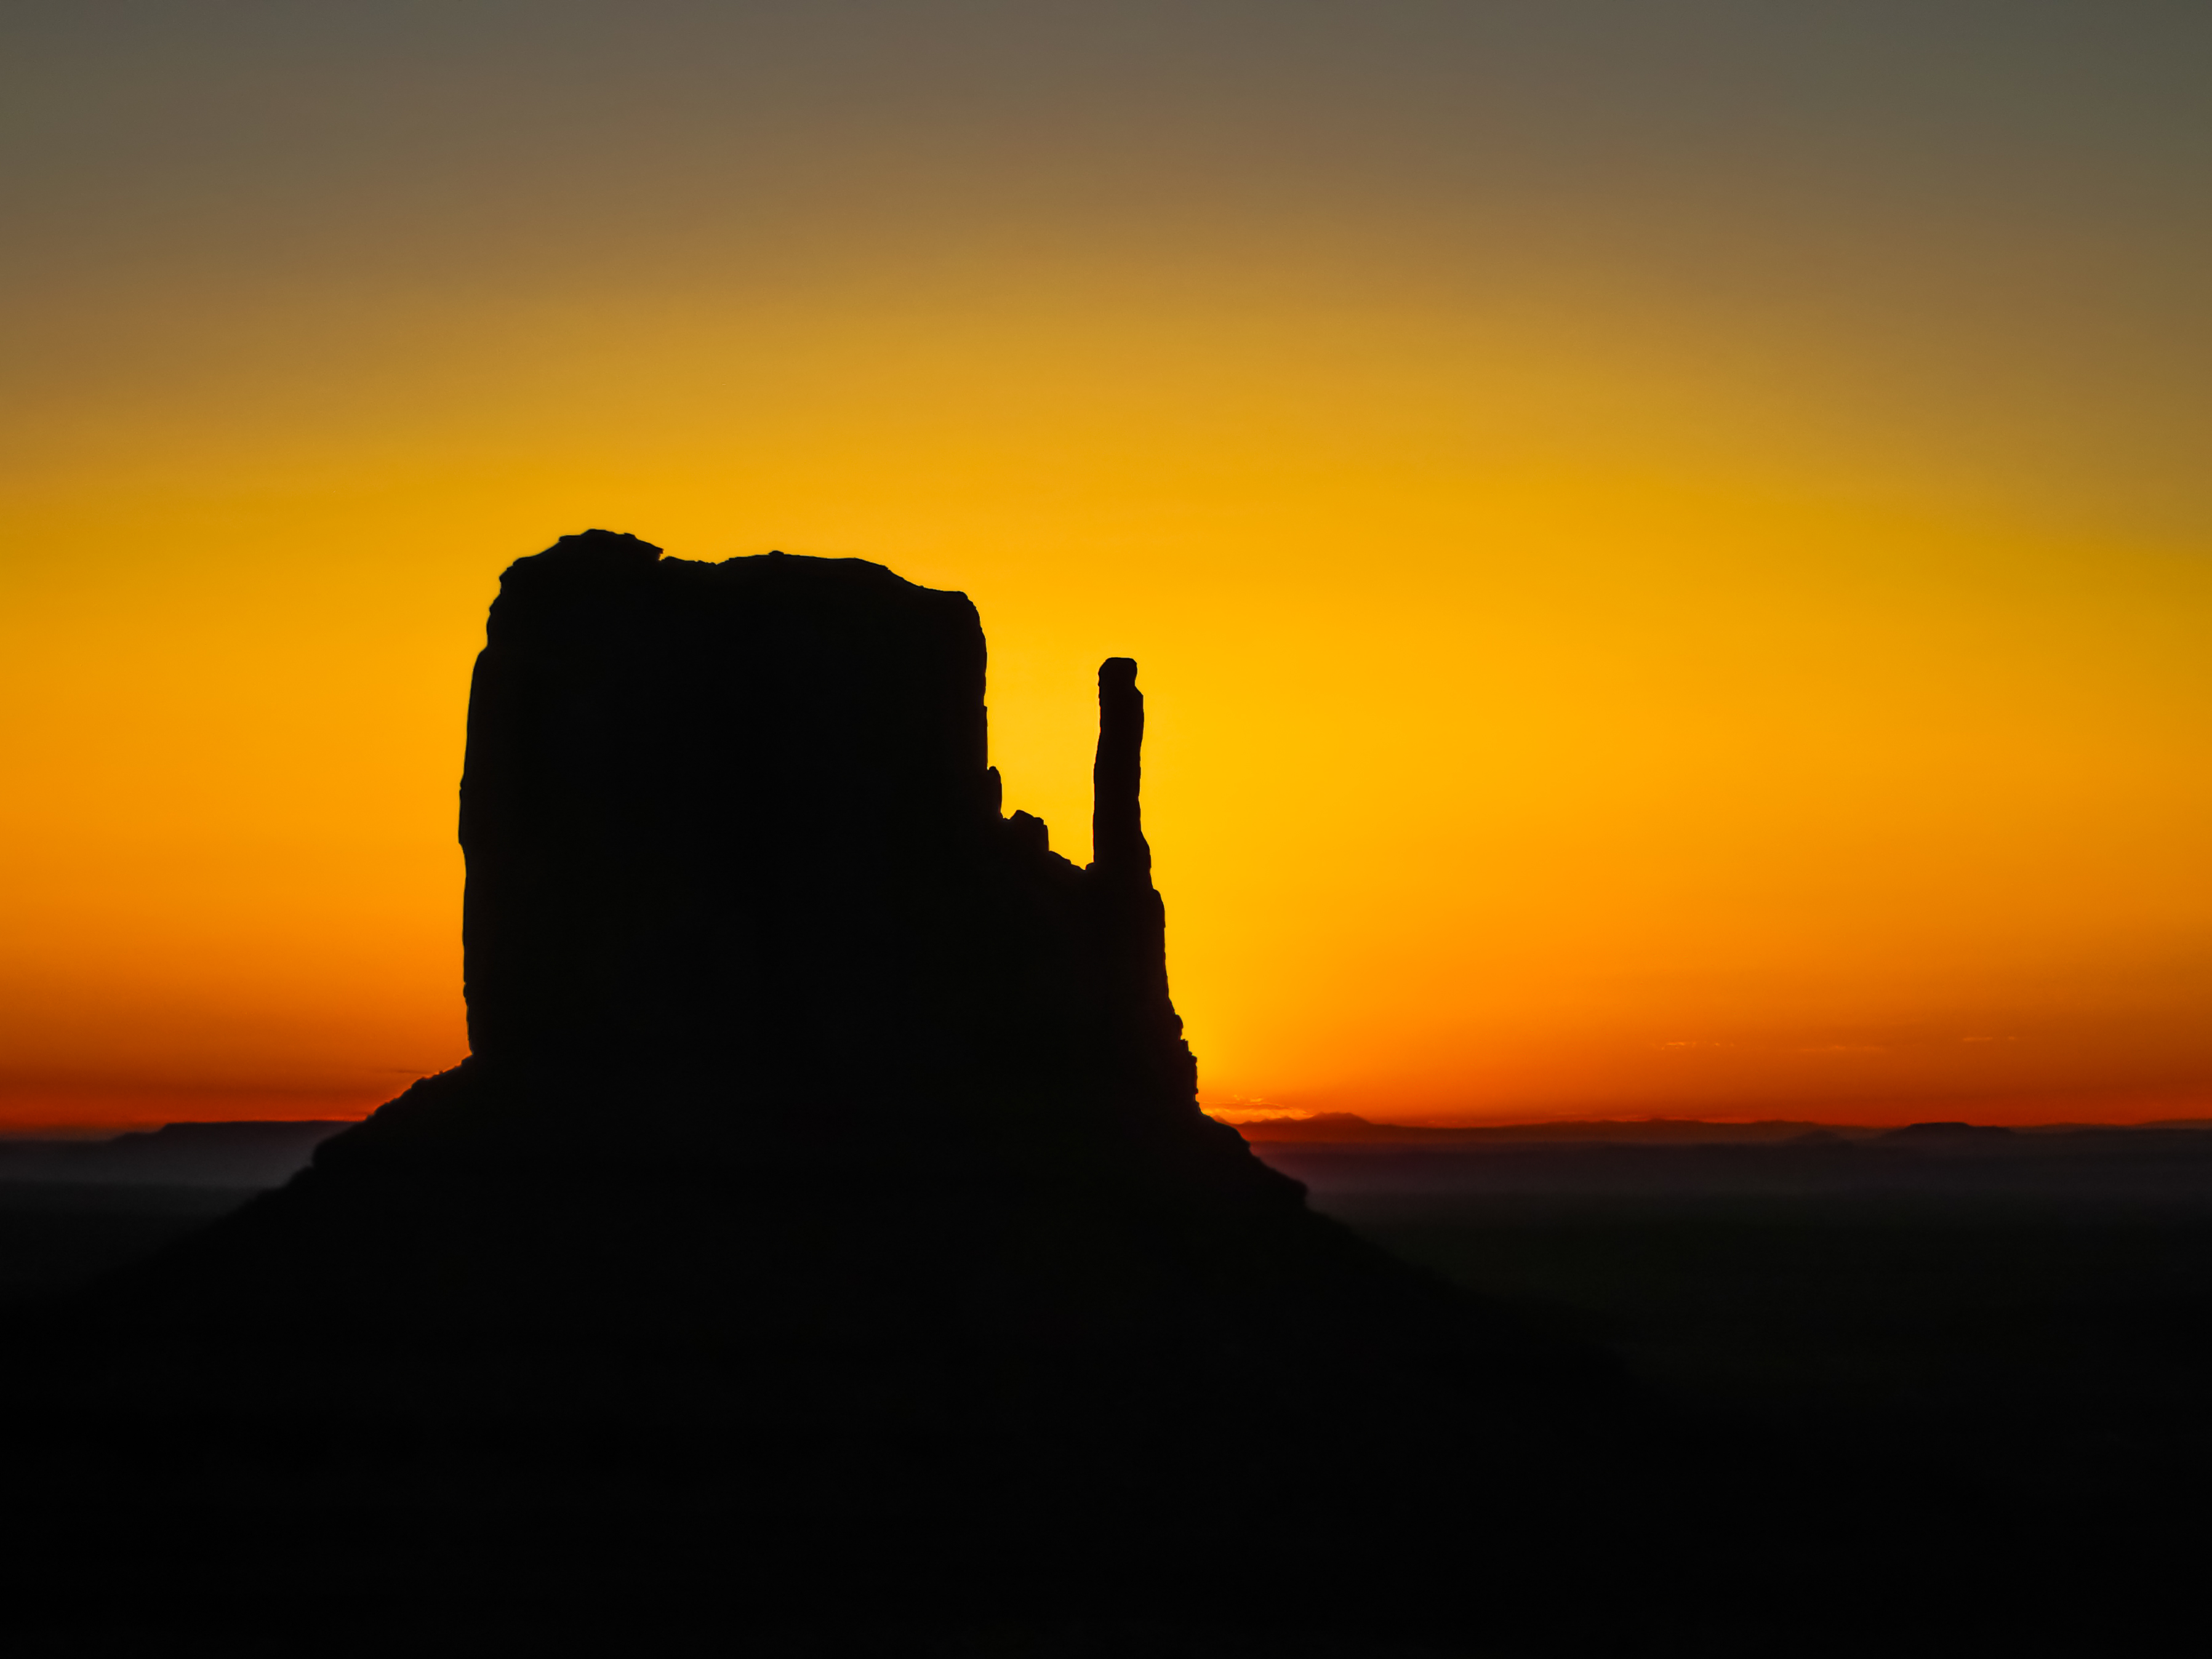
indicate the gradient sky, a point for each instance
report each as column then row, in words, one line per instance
column 1670, row 546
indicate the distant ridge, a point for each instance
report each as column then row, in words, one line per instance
column 1348, row 1126
column 255, row 1154
column 240, row 1154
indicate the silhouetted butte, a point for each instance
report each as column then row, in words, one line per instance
column 786, row 1038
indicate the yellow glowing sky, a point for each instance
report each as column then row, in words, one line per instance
column 1671, row 556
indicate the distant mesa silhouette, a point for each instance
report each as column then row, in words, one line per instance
column 784, row 1034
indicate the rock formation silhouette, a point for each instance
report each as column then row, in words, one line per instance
column 786, row 1039
column 735, row 824
column 828, row 1164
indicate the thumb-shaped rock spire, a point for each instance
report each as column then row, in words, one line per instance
column 1117, row 830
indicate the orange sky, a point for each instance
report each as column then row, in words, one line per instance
column 1670, row 561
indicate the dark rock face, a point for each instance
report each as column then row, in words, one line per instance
column 735, row 824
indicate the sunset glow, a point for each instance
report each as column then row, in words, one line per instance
column 1639, row 615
